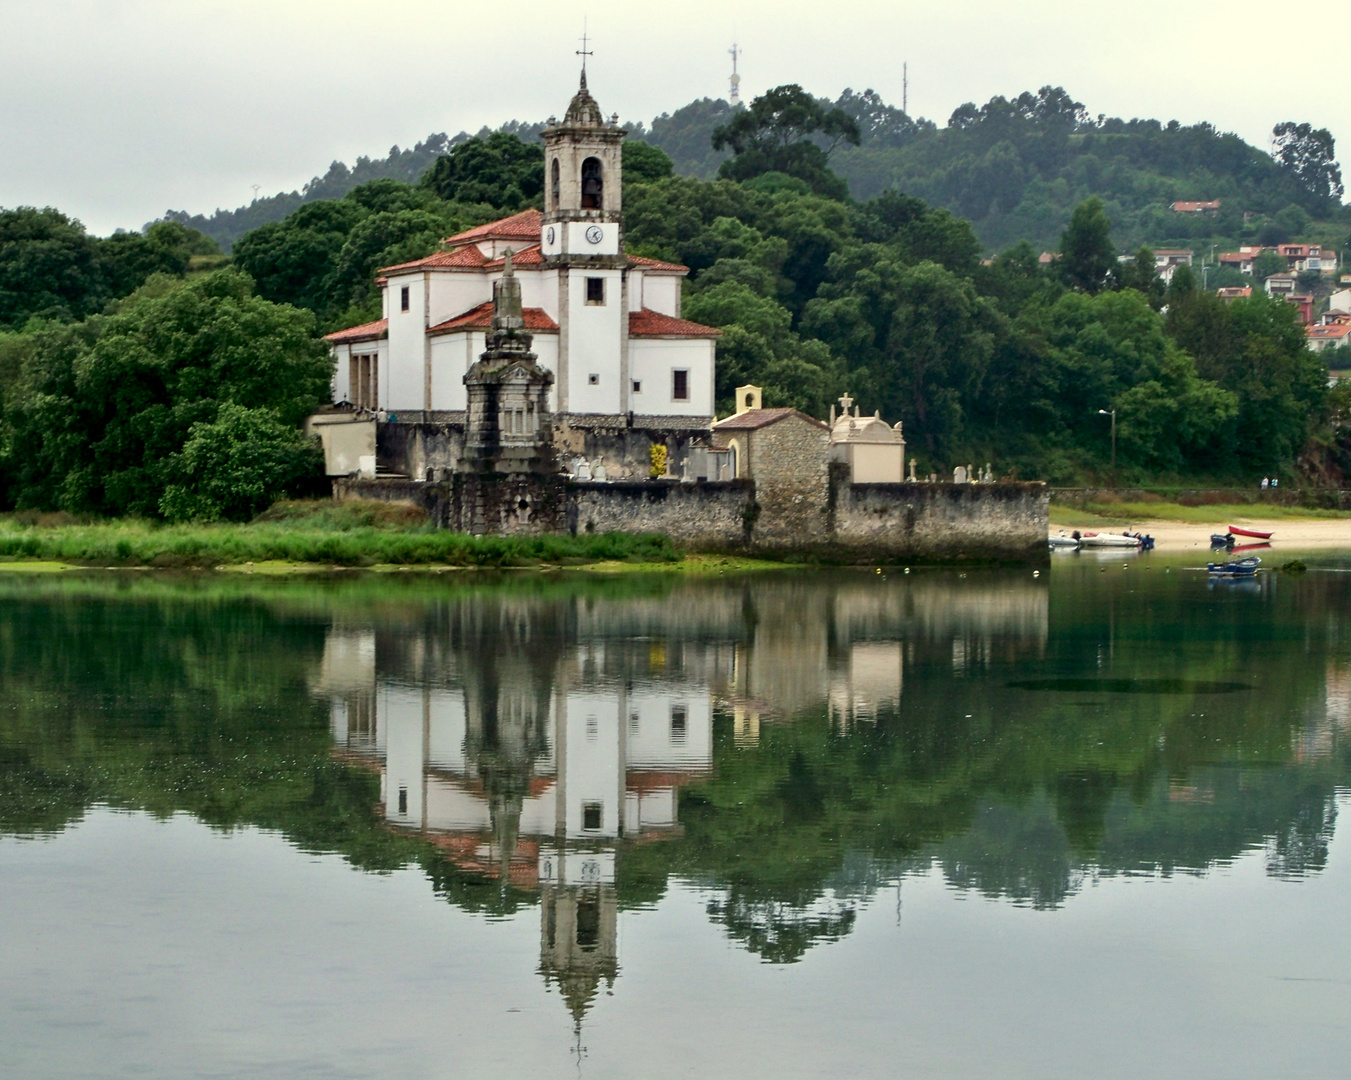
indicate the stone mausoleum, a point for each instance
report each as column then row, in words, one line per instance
column 532, row 376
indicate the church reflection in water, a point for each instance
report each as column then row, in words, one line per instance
column 532, row 741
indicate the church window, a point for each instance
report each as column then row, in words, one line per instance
column 588, row 923
column 593, row 186
column 637, row 386
column 593, row 379
column 554, row 182
column 403, row 298
column 680, row 385
column 591, row 816
column 403, row 800
column 595, row 290
column 679, row 723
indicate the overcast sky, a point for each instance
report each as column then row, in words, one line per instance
column 116, row 110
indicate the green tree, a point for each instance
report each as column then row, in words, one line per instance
column 1256, row 349
column 782, row 131
column 1087, row 258
column 49, row 268
column 237, row 465
column 917, row 339
column 1310, row 154
column 99, row 417
column 502, row 170
column 1266, row 264
column 645, row 163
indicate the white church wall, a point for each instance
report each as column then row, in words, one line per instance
column 661, row 292
column 342, row 372
column 446, row 730
column 653, row 362
column 669, row 731
column 452, row 354
column 399, row 711
column 453, row 293
column 594, row 344
column 592, row 766
column 539, row 289
column 407, row 333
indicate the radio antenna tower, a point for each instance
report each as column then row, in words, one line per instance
column 734, row 94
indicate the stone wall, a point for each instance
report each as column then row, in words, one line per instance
column 858, row 522
column 709, row 516
column 792, row 480
column 948, row 521
column 432, row 447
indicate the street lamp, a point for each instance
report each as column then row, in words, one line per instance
column 1112, row 414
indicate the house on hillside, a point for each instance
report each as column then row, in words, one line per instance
column 1209, row 206
column 1241, row 260
column 1234, row 292
column 1328, row 336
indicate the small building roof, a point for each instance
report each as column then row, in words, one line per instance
column 1328, row 332
column 537, row 320
column 649, row 323
column 657, row 265
column 371, row 331
column 468, row 258
column 522, row 226
column 753, row 419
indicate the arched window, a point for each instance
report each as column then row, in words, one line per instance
column 553, row 183
column 592, row 185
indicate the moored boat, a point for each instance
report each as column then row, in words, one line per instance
column 1063, row 542
column 1116, row 540
column 1253, row 534
column 1235, row 567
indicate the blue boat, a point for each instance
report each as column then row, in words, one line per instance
column 1236, row 567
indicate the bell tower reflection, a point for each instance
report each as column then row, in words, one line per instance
column 527, row 757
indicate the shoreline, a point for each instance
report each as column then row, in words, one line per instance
column 1290, row 533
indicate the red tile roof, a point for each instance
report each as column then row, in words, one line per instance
column 522, row 226
column 481, row 318
column 365, row 332
column 649, row 323
column 752, row 419
column 1192, row 207
column 1326, row 333
column 468, row 257
column 644, row 263
column 530, row 256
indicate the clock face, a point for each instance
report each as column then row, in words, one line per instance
column 549, row 236
column 594, row 235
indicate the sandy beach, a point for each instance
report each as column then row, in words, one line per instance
column 1286, row 533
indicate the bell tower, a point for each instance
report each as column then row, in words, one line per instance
column 583, row 180
column 582, row 237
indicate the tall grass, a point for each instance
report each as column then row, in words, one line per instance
column 325, row 534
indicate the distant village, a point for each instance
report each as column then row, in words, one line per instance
column 1312, row 281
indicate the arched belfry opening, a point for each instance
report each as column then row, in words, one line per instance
column 593, row 185
column 555, row 174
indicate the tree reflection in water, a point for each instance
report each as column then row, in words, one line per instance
column 786, row 745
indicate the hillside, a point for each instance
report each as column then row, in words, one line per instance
column 1014, row 167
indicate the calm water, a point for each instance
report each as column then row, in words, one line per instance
column 854, row 825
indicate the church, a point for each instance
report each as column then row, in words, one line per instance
column 605, row 324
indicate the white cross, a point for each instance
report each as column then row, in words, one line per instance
column 845, row 402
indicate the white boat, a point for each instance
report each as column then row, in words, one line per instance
column 1063, row 542
column 1109, row 540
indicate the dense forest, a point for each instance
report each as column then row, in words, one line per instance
column 136, row 377
column 1015, row 168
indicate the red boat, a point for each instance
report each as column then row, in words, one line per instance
column 1249, row 532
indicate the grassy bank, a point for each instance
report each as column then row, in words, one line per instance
column 324, row 534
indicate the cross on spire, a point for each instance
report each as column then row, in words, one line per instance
column 845, row 402
column 584, row 52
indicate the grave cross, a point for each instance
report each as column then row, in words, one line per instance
column 845, row 402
